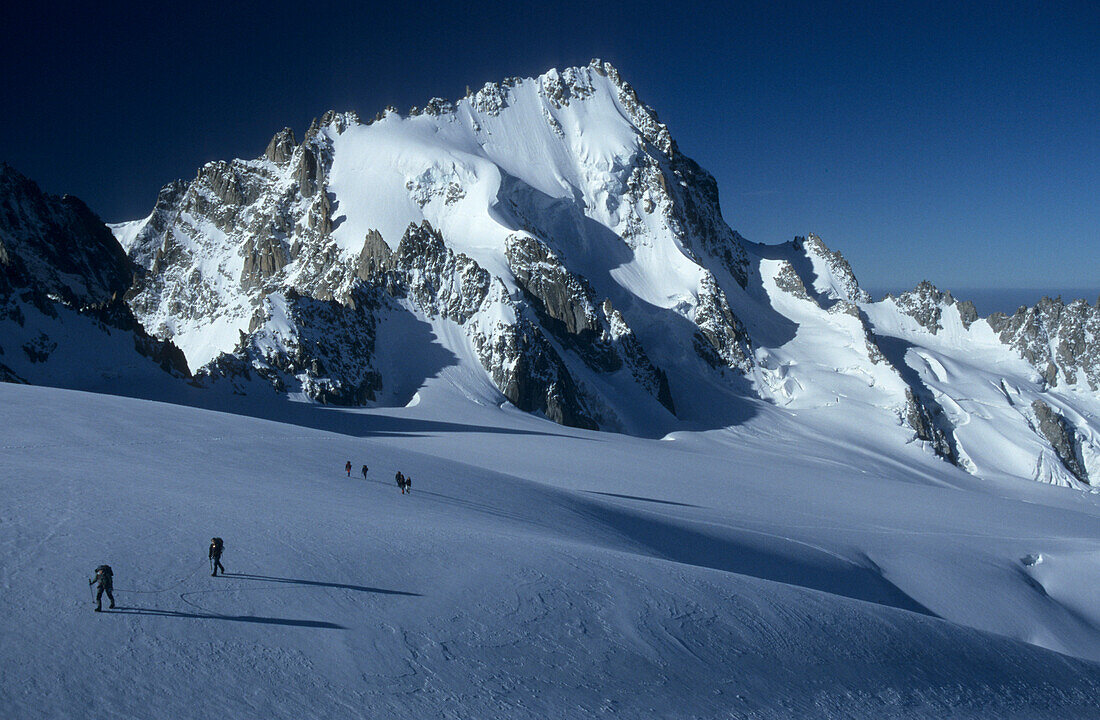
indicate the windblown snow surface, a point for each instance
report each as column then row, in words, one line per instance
column 535, row 571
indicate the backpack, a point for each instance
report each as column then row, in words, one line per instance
column 218, row 544
column 105, row 570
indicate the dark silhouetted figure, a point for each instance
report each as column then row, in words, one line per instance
column 216, row 547
column 364, row 472
column 347, row 468
column 400, row 479
column 104, row 579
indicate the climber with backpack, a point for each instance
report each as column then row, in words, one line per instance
column 216, row 547
column 104, row 579
column 364, row 472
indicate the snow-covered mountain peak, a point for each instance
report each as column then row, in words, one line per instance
column 570, row 162
column 549, row 238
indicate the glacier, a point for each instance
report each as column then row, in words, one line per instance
column 658, row 469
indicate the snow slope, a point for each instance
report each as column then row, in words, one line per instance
column 535, row 571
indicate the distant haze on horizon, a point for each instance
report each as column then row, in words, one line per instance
column 957, row 144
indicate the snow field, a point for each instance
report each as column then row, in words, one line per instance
column 534, row 571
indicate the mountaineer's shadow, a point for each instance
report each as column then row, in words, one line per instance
column 318, row 583
column 155, row 612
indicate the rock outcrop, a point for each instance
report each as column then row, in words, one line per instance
column 1059, row 340
column 1062, row 438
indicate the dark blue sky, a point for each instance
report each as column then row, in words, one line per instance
column 958, row 142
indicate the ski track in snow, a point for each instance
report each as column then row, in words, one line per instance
column 527, row 575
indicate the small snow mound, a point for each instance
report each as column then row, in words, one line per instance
column 1032, row 559
column 414, row 401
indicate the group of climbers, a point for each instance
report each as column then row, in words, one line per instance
column 404, row 482
column 104, row 579
column 347, row 469
column 104, row 575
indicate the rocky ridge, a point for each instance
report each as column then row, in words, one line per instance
column 270, row 222
column 61, row 264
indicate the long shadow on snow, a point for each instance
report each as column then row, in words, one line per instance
column 643, row 499
column 741, row 550
column 319, row 624
column 318, row 583
column 353, row 422
column 758, row 554
column 264, row 403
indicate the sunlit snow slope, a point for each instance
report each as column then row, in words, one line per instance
column 535, row 571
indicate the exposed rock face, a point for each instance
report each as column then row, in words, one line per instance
column 787, row 280
column 263, row 261
column 270, row 223
column 925, row 304
column 523, row 364
column 1059, row 340
column 315, row 347
column 968, row 314
column 1062, row 437
column 256, row 218
column 145, row 244
column 375, row 257
column 442, row 283
column 645, row 373
column 307, row 173
column 281, row 147
column 566, row 305
column 666, row 180
column 531, row 374
column 838, row 266
column 57, row 247
column 57, row 256
column 721, row 336
column 928, row 424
